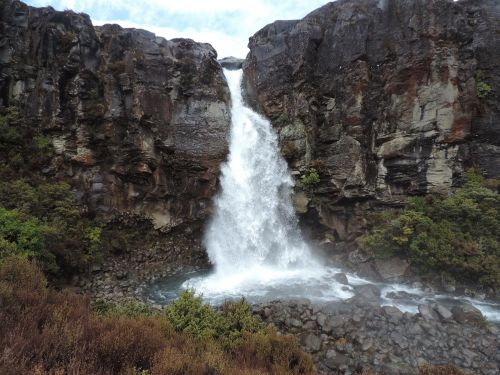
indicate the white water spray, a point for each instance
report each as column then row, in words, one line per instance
column 254, row 222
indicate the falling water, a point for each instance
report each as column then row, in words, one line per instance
column 254, row 222
column 253, row 239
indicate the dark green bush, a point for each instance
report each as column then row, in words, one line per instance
column 457, row 234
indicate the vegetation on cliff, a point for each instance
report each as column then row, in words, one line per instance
column 39, row 218
column 457, row 234
column 50, row 332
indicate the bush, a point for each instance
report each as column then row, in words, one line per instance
column 457, row 234
column 311, row 178
column 50, row 332
column 191, row 315
column 482, row 89
column 60, row 236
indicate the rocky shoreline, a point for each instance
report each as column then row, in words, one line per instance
column 346, row 337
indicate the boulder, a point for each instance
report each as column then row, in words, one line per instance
column 392, row 268
column 427, row 312
column 467, row 313
column 341, row 278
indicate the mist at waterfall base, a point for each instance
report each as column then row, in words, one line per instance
column 254, row 241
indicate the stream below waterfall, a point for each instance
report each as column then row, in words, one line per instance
column 254, row 241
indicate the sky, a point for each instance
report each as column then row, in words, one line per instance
column 226, row 24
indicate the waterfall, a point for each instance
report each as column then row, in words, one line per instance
column 253, row 239
column 254, row 222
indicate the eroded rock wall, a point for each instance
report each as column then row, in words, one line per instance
column 138, row 123
column 385, row 98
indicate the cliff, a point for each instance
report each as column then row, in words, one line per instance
column 385, row 99
column 138, row 123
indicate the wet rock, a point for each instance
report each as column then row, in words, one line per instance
column 368, row 292
column 341, row 278
column 357, row 256
column 467, row 314
column 443, row 312
column 427, row 312
column 393, row 312
column 393, row 268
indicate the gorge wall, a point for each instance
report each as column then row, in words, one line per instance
column 138, row 123
column 384, row 98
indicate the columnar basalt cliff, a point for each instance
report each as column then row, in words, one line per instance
column 138, row 123
column 384, row 98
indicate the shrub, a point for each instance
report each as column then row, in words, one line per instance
column 482, row 89
column 311, row 178
column 50, row 332
column 191, row 315
column 458, row 233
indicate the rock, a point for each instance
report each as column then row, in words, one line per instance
column 401, row 294
column 336, row 360
column 231, row 63
column 368, row 292
column 357, row 256
column 385, row 114
column 393, row 312
column 427, row 312
column 443, row 312
column 300, row 202
column 312, row 342
column 366, row 270
column 390, row 269
column 139, row 123
column 467, row 314
column 341, row 278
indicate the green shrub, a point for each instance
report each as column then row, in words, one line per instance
column 482, row 89
column 457, row 234
column 311, row 178
column 190, row 314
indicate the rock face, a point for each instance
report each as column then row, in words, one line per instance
column 138, row 123
column 385, row 98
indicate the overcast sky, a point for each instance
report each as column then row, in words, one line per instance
column 226, row 24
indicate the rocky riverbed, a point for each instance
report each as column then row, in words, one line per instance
column 353, row 335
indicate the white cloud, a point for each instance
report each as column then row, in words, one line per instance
column 226, row 24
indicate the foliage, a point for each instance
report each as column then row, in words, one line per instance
column 482, row 89
column 43, row 222
column 50, row 332
column 191, row 315
column 39, row 217
column 22, row 148
column 129, row 308
column 458, row 234
column 311, row 178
